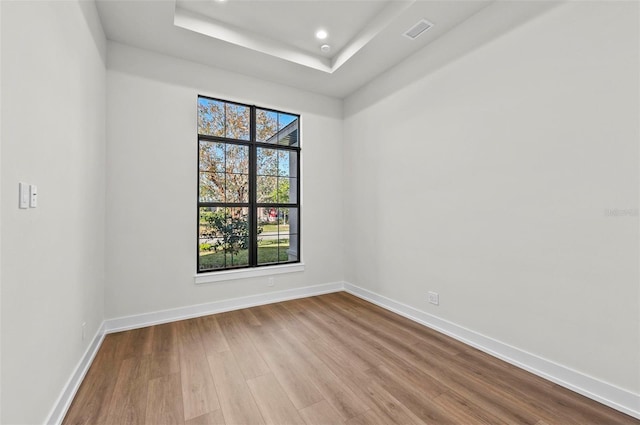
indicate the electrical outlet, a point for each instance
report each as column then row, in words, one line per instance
column 84, row 326
column 434, row 298
column 271, row 282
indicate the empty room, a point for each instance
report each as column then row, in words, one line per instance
column 319, row 212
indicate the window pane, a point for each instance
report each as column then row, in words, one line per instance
column 283, row 248
column 283, row 191
column 287, row 221
column 237, row 121
column 287, row 163
column 289, row 191
column 277, row 162
column 237, row 223
column 267, row 251
column 266, row 126
column 212, row 187
column 276, row 128
column 267, row 235
column 210, row 117
column 290, row 228
column 287, row 129
column 223, row 237
column 267, row 162
column 267, row 192
column 211, row 255
column 239, row 257
column 237, row 188
column 267, row 220
column 278, row 239
column 292, row 253
column 211, row 156
column 237, row 159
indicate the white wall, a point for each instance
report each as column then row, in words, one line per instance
column 53, row 135
column 488, row 181
column 0, row 210
column 152, row 178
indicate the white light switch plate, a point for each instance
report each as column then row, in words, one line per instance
column 33, row 196
column 23, row 195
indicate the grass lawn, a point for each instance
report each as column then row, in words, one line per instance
column 272, row 228
column 267, row 253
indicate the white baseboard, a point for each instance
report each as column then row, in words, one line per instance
column 602, row 392
column 63, row 402
column 188, row 312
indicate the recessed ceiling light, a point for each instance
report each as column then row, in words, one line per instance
column 325, row 48
column 321, row 34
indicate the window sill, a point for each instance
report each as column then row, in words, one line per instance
column 226, row 275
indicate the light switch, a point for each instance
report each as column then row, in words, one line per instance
column 23, row 195
column 33, row 195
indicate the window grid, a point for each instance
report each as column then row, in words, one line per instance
column 276, row 231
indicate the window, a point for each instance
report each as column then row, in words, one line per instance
column 248, row 186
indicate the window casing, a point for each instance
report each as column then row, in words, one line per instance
column 248, row 186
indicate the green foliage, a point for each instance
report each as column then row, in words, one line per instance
column 206, row 247
column 281, row 193
column 228, row 229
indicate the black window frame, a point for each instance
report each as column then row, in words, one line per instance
column 253, row 205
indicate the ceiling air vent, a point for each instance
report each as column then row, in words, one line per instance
column 418, row 29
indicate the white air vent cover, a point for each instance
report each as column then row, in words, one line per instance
column 418, row 29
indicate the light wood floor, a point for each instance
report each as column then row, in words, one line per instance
column 332, row 359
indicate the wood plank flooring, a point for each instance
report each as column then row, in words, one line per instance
column 331, row 359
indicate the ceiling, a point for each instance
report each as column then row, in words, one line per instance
column 293, row 22
column 275, row 39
